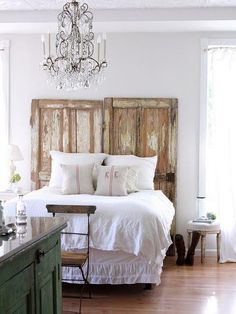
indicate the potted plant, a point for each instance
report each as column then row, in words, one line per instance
column 14, row 182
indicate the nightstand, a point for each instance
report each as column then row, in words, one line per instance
column 204, row 229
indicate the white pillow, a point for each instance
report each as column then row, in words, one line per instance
column 111, row 181
column 59, row 158
column 77, row 179
column 146, row 166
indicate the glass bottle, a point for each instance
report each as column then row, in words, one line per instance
column 21, row 232
column 21, row 217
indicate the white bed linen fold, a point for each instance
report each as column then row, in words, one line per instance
column 138, row 223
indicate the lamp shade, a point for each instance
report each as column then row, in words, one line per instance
column 14, row 153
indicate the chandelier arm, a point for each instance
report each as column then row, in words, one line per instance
column 62, row 16
column 88, row 15
column 63, row 45
column 90, row 48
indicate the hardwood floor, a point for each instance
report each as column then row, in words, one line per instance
column 208, row 288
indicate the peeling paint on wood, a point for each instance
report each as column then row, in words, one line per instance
column 152, row 141
column 60, row 125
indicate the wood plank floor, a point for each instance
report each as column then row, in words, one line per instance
column 208, row 288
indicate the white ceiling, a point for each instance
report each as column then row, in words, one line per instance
column 36, row 16
column 114, row 4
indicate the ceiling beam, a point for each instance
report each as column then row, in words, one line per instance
column 140, row 20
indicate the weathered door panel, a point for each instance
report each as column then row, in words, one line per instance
column 125, row 123
column 60, row 125
column 145, row 127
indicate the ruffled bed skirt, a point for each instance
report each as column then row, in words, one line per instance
column 117, row 268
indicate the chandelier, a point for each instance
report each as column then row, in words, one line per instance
column 74, row 64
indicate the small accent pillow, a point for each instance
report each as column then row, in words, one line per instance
column 77, row 179
column 146, row 166
column 112, row 180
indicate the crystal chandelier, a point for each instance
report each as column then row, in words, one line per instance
column 74, row 65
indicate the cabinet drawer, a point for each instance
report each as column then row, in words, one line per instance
column 48, row 244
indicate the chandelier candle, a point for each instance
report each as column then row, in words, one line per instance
column 104, row 37
column 49, row 44
column 99, row 41
column 43, row 42
column 74, row 65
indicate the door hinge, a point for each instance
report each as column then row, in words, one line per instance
column 170, row 177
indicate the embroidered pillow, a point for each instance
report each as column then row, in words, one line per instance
column 147, row 166
column 112, row 180
column 77, row 179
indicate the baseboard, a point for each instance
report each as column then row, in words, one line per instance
column 208, row 252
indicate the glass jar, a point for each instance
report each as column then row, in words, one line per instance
column 21, row 217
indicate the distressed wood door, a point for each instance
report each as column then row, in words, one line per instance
column 145, row 127
column 65, row 125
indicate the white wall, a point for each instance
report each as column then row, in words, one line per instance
column 141, row 65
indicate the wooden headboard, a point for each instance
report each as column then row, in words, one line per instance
column 140, row 126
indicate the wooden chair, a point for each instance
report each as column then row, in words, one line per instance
column 71, row 258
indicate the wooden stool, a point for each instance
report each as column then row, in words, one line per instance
column 204, row 229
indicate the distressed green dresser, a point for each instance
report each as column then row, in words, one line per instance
column 30, row 268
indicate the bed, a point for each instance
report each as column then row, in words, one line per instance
column 129, row 235
column 130, row 232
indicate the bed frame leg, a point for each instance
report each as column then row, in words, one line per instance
column 148, row 286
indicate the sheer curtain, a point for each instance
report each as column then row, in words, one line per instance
column 4, row 112
column 221, row 145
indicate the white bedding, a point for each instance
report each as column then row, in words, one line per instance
column 138, row 224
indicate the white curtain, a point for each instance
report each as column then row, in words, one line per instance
column 4, row 118
column 221, row 145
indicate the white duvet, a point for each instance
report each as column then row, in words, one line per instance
column 138, row 223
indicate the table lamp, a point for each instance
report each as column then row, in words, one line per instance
column 14, row 154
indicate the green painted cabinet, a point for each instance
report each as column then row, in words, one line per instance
column 30, row 273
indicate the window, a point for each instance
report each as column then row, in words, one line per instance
column 4, row 111
column 217, row 149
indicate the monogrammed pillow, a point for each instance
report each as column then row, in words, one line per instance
column 112, row 180
column 77, row 179
column 146, row 165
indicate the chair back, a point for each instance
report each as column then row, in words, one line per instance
column 74, row 209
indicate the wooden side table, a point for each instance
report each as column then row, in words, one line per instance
column 204, row 229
